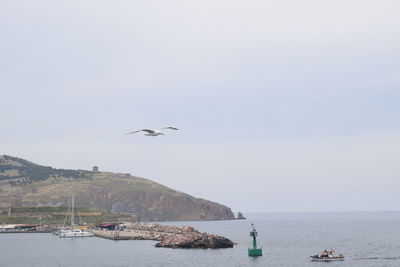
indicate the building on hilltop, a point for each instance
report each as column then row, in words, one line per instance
column 95, row 169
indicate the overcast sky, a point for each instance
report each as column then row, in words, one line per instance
column 282, row 105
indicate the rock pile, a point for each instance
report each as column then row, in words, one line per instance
column 170, row 236
column 240, row 216
column 160, row 228
column 194, row 240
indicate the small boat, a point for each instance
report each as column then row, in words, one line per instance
column 75, row 233
column 327, row 255
column 72, row 231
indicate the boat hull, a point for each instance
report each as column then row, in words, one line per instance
column 73, row 234
column 328, row 259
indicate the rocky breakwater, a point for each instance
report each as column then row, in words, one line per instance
column 195, row 240
column 180, row 237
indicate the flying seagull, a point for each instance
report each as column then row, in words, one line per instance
column 151, row 132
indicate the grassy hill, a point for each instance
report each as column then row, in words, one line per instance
column 57, row 215
column 25, row 184
column 19, row 171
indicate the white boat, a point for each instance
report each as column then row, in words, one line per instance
column 75, row 233
column 327, row 255
column 71, row 231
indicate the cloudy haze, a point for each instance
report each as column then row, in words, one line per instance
column 281, row 105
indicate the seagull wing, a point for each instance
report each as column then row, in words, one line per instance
column 144, row 130
column 171, row 128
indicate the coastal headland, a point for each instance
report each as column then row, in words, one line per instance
column 35, row 198
column 26, row 184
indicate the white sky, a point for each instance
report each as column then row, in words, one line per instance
column 282, row 105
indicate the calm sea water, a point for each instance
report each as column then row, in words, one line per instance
column 288, row 239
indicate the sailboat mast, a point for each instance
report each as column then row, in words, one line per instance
column 72, row 210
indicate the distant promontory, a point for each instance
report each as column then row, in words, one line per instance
column 25, row 184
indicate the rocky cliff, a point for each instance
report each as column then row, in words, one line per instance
column 23, row 183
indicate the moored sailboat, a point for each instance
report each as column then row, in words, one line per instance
column 72, row 231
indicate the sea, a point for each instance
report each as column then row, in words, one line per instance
column 287, row 239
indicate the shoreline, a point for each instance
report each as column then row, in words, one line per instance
column 24, row 232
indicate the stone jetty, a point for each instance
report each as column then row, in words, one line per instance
column 169, row 236
column 195, row 240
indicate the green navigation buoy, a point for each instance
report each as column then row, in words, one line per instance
column 254, row 251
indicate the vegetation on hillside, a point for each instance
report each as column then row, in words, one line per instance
column 28, row 172
column 57, row 215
